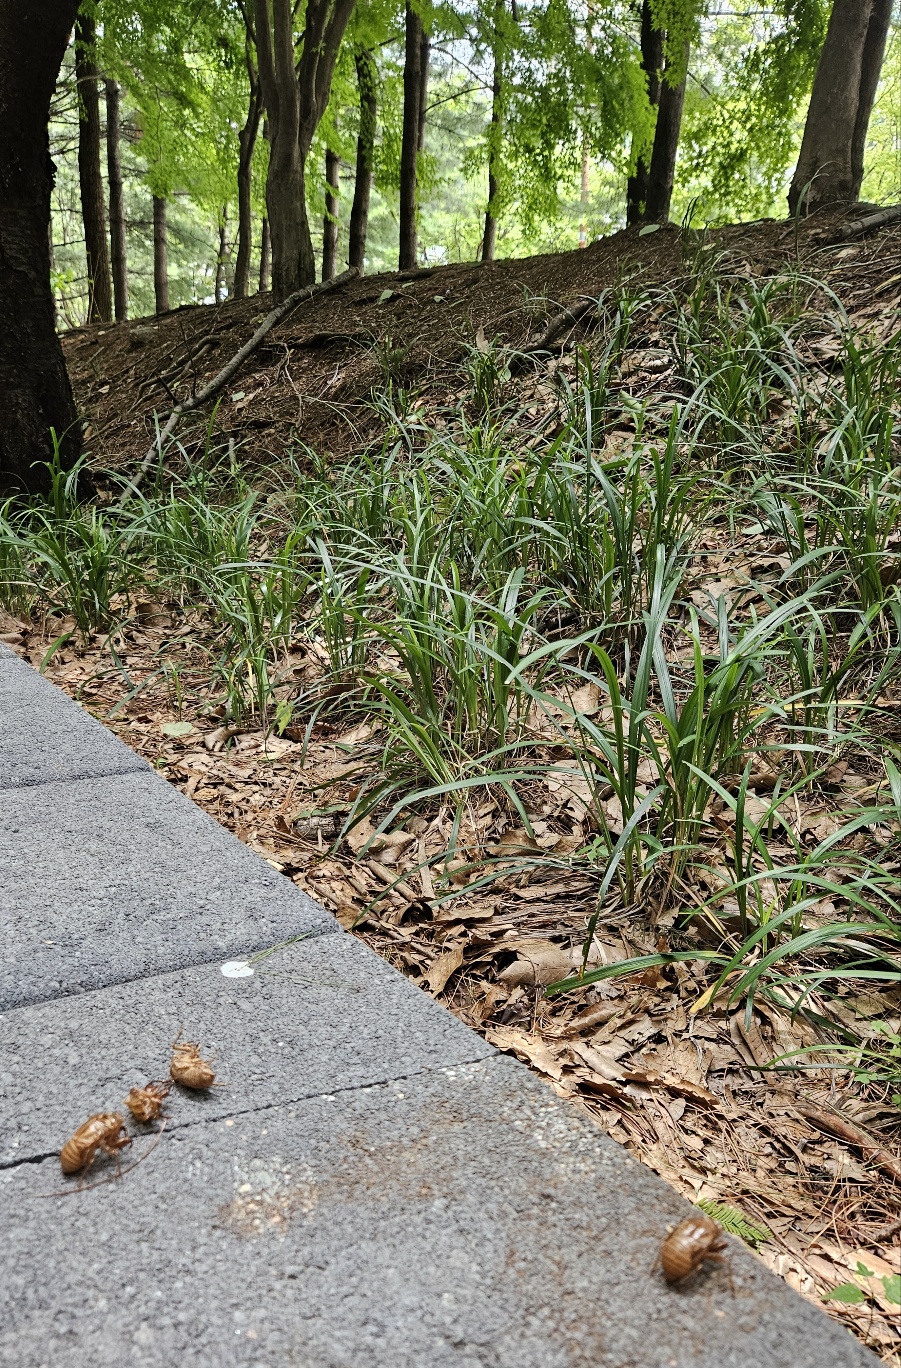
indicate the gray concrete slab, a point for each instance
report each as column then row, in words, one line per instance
column 45, row 737
column 323, row 1015
column 107, row 880
column 465, row 1219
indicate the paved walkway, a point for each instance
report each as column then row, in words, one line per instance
column 374, row 1186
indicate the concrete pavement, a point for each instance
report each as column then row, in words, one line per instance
column 372, row 1186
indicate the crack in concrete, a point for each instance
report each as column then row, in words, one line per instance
column 188, row 1124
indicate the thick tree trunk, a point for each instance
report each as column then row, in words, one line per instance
column 495, row 134
column 35, row 394
column 840, row 103
column 247, row 138
column 662, row 171
column 870, row 71
column 367, row 84
column 118, row 256
column 265, row 258
column 100, row 302
column 160, row 255
column 330, row 221
column 295, row 94
column 652, row 40
column 409, row 155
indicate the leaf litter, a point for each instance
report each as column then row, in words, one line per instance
column 486, row 912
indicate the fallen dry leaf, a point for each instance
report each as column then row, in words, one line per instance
column 442, row 968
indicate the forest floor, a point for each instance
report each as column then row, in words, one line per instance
column 484, row 900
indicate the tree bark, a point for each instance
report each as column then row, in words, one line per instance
column 367, row 84
column 247, row 138
column 35, row 394
column 330, row 220
column 662, row 171
column 870, row 71
column 839, row 111
column 100, row 303
column 652, row 40
column 295, row 94
column 160, row 255
column 495, row 133
column 118, row 255
column 413, row 123
column 221, row 256
column 265, row 258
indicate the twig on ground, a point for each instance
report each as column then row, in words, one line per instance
column 840, row 1126
column 231, row 368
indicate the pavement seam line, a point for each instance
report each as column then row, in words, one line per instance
column 9, row 1165
column 75, row 778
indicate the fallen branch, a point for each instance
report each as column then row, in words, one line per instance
column 230, row 369
column 868, row 224
column 835, row 1124
column 555, row 326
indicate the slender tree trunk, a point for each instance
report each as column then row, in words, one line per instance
column 100, row 303
column 367, row 79
column 221, row 254
column 870, row 71
column 118, row 258
column 662, row 171
column 409, row 156
column 425, row 52
column 840, row 104
column 160, row 255
column 652, row 40
column 495, row 134
column 265, row 258
column 330, row 221
column 35, row 394
column 247, row 138
column 584, row 194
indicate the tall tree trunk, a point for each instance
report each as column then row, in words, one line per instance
column 425, row 51
column 100, row 301
column 495, row 134
column 295, row 94
column 221, row 255
column 265, row 258
column 160, row 255
column 367, row 84
column 330, row 221
column 409, row 155
column 662, row 171
column 247, row 138
column 870, row 71
column 652, row 40
column 118, row 258
column 840, row 104
column 35, row 394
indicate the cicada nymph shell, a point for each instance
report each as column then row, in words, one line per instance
column 188, row 1068
column 146, row 1104
column 102, row 1131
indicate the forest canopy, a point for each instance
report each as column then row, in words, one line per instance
column 535, row 115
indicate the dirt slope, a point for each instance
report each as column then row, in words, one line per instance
column 312, row 376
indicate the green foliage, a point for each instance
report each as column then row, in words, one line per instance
column 735, row 1222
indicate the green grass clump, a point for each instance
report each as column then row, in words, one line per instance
column 714, row 561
